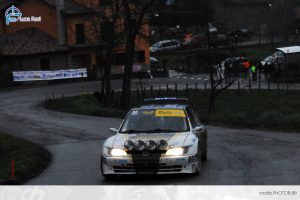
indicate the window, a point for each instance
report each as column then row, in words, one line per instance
column 80, row 37
column 169, row 44
column 106, row 2
column 141, row 121
column 193, row 117
column 45, row 64
column 106, row 31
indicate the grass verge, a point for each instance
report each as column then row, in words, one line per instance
column 30, row 159
column 264, row 109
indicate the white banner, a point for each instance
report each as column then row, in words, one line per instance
column 49, row 75
column 150, row 192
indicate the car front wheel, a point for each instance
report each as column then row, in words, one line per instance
column 199, row 164
column 204, row 155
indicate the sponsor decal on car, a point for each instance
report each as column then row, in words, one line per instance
column 169, row 113
column 149, row 112
column 181, row 159
column 121, row 161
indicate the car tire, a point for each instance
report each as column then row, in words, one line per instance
column 199, row 164
column 204, row 155
column 204, row 150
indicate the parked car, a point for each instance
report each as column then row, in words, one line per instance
column 165, row 45
column 157, row 69
column 222, row 40
column 194, row 41
column 163, row 136
column 276, row 58
column 240, row 33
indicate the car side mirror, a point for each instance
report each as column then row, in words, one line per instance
column 113, row 130
column 198, row 129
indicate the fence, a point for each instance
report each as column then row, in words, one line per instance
column 179, row 89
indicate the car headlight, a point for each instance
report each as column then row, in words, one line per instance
column 118, row 152
column 175, row 151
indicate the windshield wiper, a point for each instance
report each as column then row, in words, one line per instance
column 131, row 131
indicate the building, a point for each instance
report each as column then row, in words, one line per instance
column 65, row 34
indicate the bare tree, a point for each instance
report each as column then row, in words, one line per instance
column 106, row 30
column 226, row 76
column 135, row 15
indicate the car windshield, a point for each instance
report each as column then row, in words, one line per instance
column 155, row 121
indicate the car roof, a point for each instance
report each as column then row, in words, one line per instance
column 165, row 41
column 162, row 106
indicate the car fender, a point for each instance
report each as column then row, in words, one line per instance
column 192, row 142
column 109, row 142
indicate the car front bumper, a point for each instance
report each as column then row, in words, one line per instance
column 166, row 165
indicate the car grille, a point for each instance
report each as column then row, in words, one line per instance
column 147, row 168
column 147, row 162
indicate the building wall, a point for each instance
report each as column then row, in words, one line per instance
column 49, row 26
column 57, row 61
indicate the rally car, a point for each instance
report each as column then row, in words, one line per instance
column 163, row 136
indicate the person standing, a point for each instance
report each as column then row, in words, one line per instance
column 254, row 72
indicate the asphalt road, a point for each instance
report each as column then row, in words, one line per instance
column 234, row 156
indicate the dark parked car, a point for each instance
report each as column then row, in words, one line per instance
column 240, row 33
column 222, row 40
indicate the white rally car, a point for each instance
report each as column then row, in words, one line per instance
column 164, row 136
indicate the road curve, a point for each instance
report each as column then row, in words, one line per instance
column 235, row 156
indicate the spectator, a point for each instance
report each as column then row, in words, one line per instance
column 254, row 72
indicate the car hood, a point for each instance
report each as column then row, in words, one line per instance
column 173, row 139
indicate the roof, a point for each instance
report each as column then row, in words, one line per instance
column 288, row 50
column 166, row 106
column 71, row 7
column 29, row 41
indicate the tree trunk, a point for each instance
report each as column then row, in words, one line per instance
column 107, row 75
column 102, row 92
column 211, row 108
column 126, row 88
